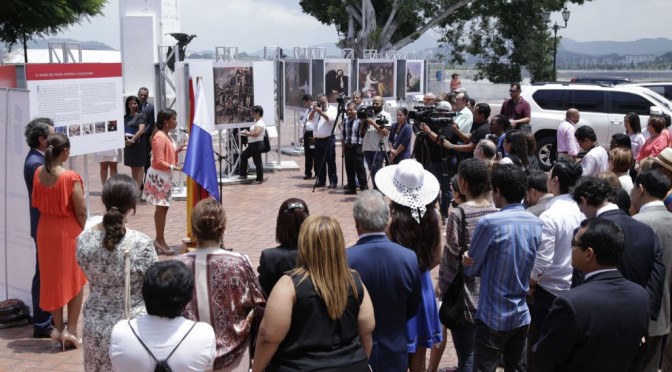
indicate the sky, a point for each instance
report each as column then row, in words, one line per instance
column 252, row 24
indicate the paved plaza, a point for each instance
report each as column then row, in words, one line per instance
column 251, row 212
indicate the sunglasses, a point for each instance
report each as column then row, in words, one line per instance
column 513, row 90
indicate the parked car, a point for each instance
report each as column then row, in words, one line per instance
column 603, row 107
column 612, row 80
column 664, row 88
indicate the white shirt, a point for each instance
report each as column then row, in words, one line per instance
column 372, row 138
column 161, row 335
column 464, row 120
column 649, row 205
column 260, row 137
column 626, row 182
column 608, row 207
column 595, row 161
column 323, row 128
column 307, row 124
column 636, row 143
column 553, row 264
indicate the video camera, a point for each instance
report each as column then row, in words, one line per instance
column 366, row 112
column 438, row 120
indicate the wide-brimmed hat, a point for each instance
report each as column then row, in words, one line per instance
column 408, row 184
column 664, row 159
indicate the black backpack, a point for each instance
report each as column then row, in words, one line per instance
column 161, row 365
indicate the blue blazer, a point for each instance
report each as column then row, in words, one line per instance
column 596, row 326
column 391, row 275
column 33, row 161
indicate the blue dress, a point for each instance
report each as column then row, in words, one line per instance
column 401, row 138
column 424, row 329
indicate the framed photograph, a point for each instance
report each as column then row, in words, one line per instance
column 337, row 73
column 297, row 82
column 234, row 94
column 415, row 77
column 376, row 78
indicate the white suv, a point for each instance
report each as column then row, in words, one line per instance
column 601, row 106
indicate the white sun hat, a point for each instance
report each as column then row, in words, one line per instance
column 408, row 184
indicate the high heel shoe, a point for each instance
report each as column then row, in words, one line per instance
column 55, row 336
column 70, row 338
column 162, row 250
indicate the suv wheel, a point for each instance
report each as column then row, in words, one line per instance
column 546, row 152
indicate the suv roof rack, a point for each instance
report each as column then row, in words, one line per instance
column 567, row 83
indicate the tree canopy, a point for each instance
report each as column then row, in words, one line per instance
column 23, row 20
column 505, row 35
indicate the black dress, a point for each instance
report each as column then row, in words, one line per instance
column 135, row 154
column 317, row 343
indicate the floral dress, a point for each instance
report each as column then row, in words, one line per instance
column 105, row 304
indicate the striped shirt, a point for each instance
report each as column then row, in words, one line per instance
column 351, row 132
column 503, row 248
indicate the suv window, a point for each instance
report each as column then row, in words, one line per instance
column 588, row 100
column 550, row 99
column 622, row 103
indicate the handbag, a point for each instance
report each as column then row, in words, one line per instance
column 267, row 143
column 451, row 312
column 13, row 313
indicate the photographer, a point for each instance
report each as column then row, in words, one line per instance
column 375, row 137
column 308, row 140
column 352, row 151
column 479, row 131
column 323, row 118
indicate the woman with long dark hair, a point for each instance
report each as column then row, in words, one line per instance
column 134, row 127
column 515, row 146
column 633, row 128
column 100, row 253
column 415, row 224
column 58, row 194
column 159, row 180
column 275, row 262
column 319, row 316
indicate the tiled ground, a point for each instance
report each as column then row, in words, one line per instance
column 251, row 212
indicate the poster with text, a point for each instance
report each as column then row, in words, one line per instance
column 78, row 97
column 337, row 73
column 297, row 82
column 376, row 78
column 415, row 76
column 234, row 93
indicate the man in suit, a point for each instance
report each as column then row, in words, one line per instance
column 647, row 196
column 642, row 259
column 390, row 273
column 36, row 134
column 599, row 325
column 147, row 110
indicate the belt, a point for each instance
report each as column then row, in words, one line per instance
column 319, row 138
column 350, row 145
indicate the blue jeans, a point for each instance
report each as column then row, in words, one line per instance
column 463, row 340
column 374, row 161
column 41, row 318
column 490, row 344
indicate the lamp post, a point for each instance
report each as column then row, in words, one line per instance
column 555, row 28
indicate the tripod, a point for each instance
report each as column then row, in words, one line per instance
column 332, row 139
column 384, row 161
column 444, row 172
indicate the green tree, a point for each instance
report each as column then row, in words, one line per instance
column 24, row 20
column 505, row 35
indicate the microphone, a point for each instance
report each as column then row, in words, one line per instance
column 182, row 130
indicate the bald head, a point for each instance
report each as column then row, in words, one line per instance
column 572, row 115
column 429, row 99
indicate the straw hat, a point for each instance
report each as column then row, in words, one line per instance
column 664, row 159
column 408, row 184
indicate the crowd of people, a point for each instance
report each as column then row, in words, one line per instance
column 561, row 270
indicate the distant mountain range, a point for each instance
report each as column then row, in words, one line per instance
column 429, row 44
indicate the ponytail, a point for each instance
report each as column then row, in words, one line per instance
column 56, row 144
column 120, row 194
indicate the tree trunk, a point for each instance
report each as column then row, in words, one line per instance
column 25, row 47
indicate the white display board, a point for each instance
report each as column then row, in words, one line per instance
column 17, row 249
column 83, row 100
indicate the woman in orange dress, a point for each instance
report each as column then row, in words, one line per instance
column 58, row 193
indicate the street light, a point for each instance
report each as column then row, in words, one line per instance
column 555, row 28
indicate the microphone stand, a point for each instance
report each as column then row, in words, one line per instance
column 220, row 159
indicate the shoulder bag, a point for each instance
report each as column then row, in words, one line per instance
column 451, row 312
column 267, row 142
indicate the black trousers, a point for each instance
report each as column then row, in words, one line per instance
column 325, row 148
column 354, row 166
column 253, row 150
column 309, row 153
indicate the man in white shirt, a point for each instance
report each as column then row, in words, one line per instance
column 464, row 118
column 567, row 145
column 552, row 270
column 323, row 117
column 596, row 160
column 374, row 136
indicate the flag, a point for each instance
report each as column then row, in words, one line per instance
column 199, row 163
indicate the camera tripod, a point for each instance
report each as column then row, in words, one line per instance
column 443, row 171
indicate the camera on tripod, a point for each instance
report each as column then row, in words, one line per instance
column 439, row 121
column 366, row 112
